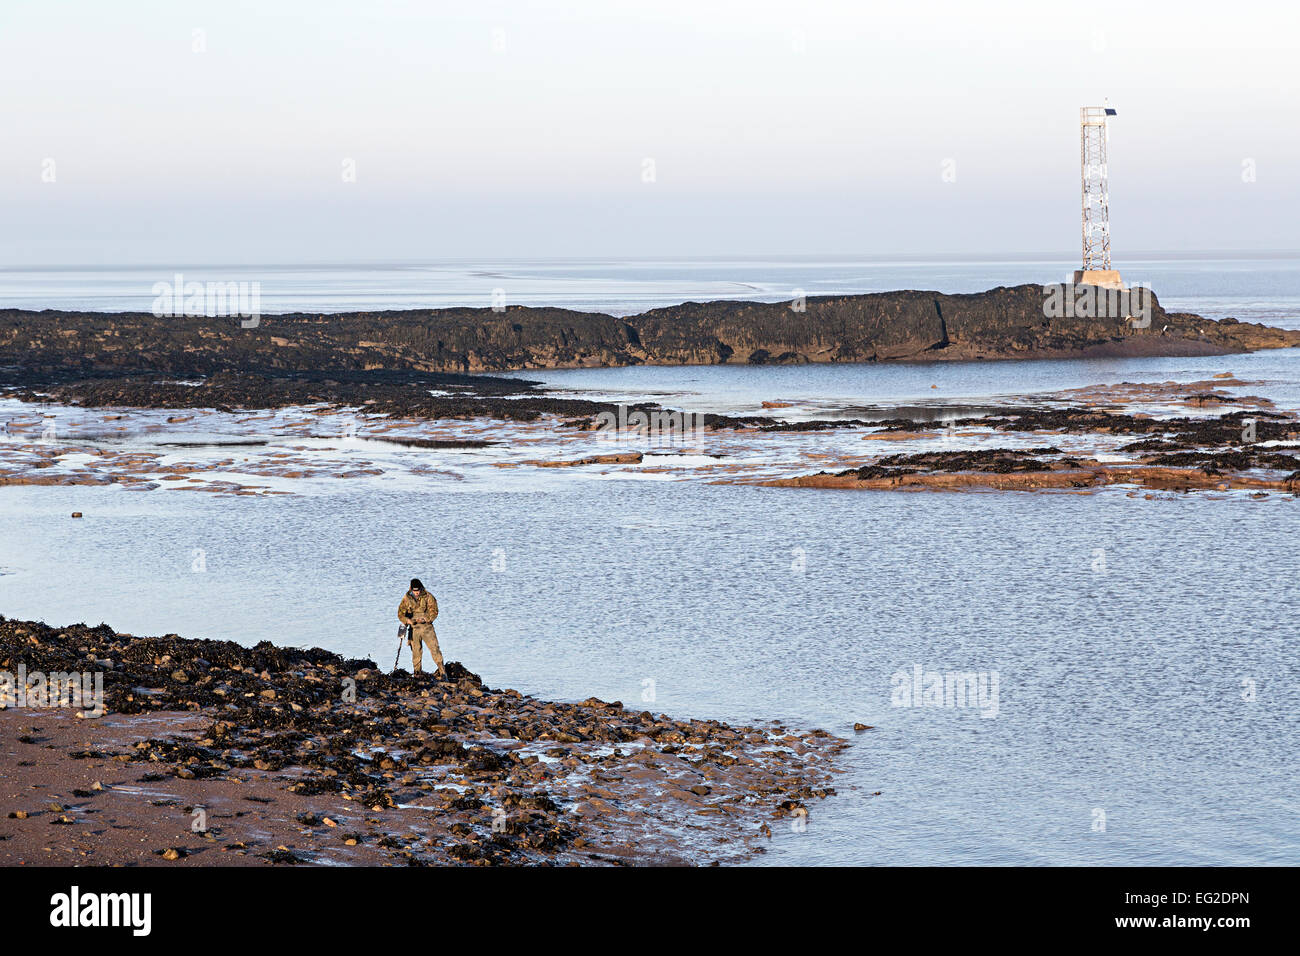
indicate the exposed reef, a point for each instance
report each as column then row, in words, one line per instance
column 1250, row 449
column 1006, row 322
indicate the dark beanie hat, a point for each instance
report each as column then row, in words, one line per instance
column 416, row 585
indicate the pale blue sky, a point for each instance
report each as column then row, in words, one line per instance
column 495, row 129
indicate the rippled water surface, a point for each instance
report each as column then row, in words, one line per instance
column 1120, row 689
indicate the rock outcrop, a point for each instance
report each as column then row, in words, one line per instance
column 1250, row 449
column 1006, row 322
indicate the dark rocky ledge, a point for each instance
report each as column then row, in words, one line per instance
column 1006, row 322
column 1167, row 454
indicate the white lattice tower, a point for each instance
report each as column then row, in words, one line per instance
column 1096, row 198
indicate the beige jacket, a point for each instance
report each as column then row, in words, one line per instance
column 417, row 611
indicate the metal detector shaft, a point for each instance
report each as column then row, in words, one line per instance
column 403, row 637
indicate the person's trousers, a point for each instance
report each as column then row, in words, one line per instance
column 423, row 635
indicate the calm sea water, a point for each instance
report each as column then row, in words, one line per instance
column 1149, row 689
column 1251, row 288
column 1120, row 690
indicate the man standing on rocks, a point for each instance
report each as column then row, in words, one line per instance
column 418, row 609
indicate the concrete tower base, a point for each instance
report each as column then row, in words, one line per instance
column 1104, row 278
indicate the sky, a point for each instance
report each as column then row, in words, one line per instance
column 287, row 131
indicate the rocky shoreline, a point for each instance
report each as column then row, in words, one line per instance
column 39, row 348
column 401, row 394
column 1254, row 448
column 288, row 756
column 1171, row 437
column 427, row 364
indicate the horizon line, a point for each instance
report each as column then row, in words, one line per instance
column 1009, row 257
